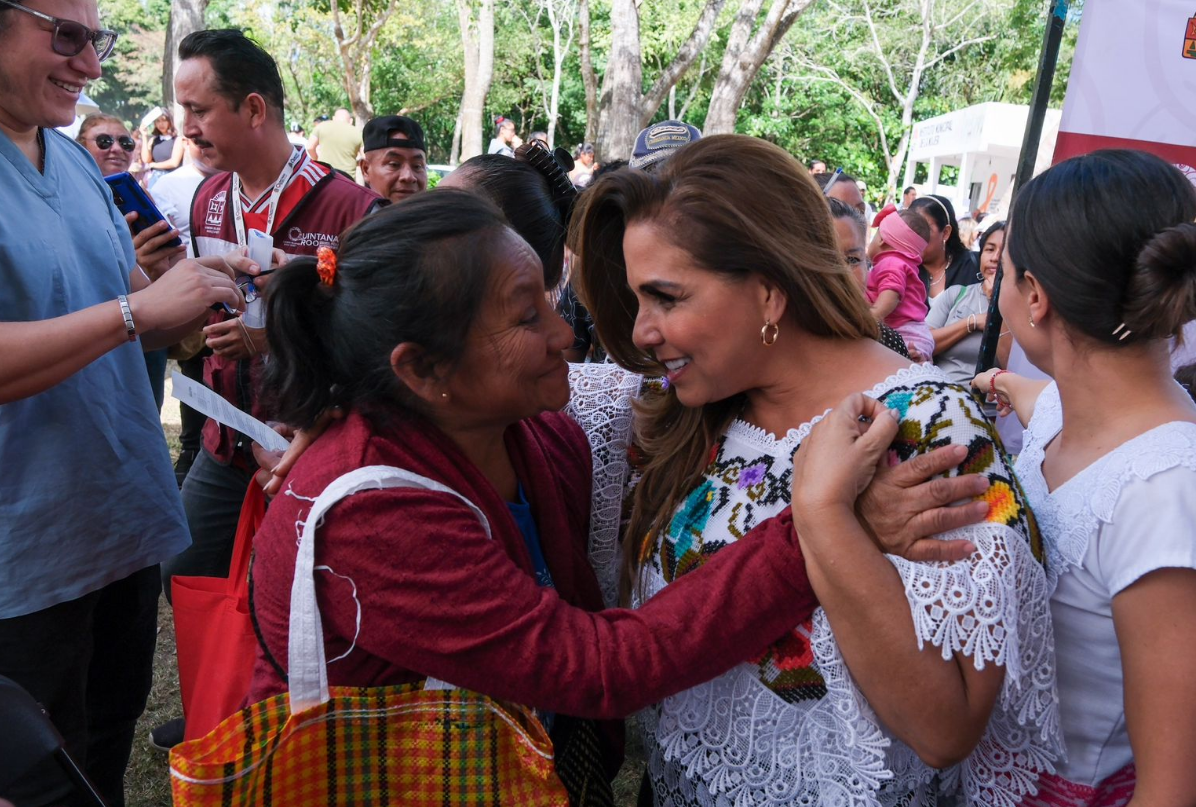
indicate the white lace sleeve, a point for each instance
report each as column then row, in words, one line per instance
column 993, row 607
column 600, row 401
column 745, row 745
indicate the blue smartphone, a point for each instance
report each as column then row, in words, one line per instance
column 130, row 198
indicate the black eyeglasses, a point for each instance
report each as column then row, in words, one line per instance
column 70, row 37
column 105, row 141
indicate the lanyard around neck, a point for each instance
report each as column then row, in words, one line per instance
column 280, row 185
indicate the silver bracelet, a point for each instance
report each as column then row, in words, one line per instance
column 127, row 313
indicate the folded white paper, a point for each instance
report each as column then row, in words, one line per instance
column 204, row 400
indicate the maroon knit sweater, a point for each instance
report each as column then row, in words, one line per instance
column 438, row 598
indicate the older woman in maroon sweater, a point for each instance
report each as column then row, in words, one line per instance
column 431, row 328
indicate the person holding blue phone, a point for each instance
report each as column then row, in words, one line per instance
column 88, row 502
column 111, row 146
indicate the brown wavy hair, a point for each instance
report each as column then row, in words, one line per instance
column 740, row 207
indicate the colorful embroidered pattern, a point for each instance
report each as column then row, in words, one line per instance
column 743, row 485
column 787, row 667
column 933, row 429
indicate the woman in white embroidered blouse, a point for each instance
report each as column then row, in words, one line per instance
column 722, row 272
column 1095, row 284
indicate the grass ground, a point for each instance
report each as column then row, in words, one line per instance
column 147, row 782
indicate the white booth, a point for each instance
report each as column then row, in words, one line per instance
column 983, row 142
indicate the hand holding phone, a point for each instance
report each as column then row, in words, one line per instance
column 130, row 198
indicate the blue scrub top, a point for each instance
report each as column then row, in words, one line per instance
column 87, row 493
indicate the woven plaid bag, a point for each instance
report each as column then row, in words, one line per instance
column 321, row 746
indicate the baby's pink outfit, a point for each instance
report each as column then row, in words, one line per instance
column 896, row 269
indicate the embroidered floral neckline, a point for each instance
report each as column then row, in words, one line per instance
column 767, row 441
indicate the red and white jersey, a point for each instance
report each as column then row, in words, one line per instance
column 316, row 204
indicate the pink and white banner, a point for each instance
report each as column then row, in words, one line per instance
column 1133, row 81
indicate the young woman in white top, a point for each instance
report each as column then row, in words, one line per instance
column 1100, row 272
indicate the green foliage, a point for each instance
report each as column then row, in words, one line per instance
column 418, row 69
column 794, row 105
column 132, row 80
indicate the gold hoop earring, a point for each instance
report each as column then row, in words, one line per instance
column 769, row 333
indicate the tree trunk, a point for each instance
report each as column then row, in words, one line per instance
column 455, row 148
column 186, row 17
column 588, row 78
column 304, row 112
column 363, row 109
column 554, row 103
column 686, row 56
column 357, row 55
column 744, row 56
column 621, row 85
column 561, row 18
column 477, row 41
column 911, row 97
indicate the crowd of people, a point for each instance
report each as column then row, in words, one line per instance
column 692, row 436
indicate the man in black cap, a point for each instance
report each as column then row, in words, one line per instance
column 395, row 162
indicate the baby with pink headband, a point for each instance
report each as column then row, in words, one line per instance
column 894, row 289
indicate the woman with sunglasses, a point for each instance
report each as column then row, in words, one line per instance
column 108, row 142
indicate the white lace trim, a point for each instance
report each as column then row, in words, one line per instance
column 600, row 401
column 748, row 745
column 1070, row 516
column 733, row 741
column 767, row 441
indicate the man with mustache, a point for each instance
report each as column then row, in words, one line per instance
column 232, row 99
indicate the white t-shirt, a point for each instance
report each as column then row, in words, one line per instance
column 1129, row 513
column 173, row 194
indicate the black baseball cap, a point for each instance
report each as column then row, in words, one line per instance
column 376, row 134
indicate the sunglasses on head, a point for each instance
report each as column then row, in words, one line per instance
column 105, row 141
column 70, row 37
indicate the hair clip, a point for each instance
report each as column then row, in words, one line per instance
column 326, row 265
column 1123, row 335
column 554, row 166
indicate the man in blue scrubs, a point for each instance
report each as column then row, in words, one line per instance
column 88, row 502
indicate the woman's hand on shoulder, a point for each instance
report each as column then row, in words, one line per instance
column 837, row 461
column 907, row 504
column 1011, row 392
column 985, row 383
column 842, row 466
